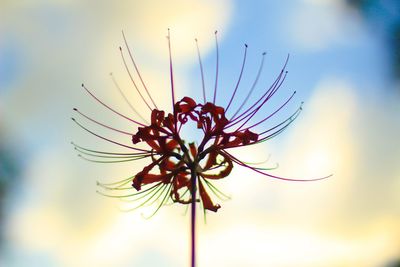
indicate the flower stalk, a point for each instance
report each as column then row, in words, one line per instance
column 193, row 179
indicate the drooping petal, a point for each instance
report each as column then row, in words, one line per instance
column 138, row 179
column 152, row 178
column 206, row 200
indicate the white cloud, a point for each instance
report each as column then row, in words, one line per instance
column 318, row 25
column 146, row 24
column 350, row 134
column 266, row 244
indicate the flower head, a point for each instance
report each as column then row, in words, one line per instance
column 179, row 171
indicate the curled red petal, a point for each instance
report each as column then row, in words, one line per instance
column 138, row 180
column 223, row 173
column 205, row 198
column 211, row 160
column 157, row 117
column 151, row 178
column 185, row 105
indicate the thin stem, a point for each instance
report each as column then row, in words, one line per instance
column 193, row 217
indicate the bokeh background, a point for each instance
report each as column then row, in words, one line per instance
column 344, row 65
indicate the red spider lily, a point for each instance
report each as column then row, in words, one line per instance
column 184, row 172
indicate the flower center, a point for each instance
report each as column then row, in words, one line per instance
column 189, row 133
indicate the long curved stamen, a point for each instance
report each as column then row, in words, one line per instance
column 252, row 87
column 270, row 175
column 258, row 162
column 126, row 99
column 150, row 199
column 239, row 79
column 118, row 184
column 137, row 71
column 280, row 81
column 267, row 169
column 253, row 109
column 216, row 67
column 273, row 88
column 201, row 72
column 109, row 156
column 108, row 161
column 108, row 107
column 164, row 187
column 106, row 139
column 267, row 95
column 129, row 195
column 132, row 80
column 153, row 192
column 280, row 128
column 101, row 124
column 276, row 133
column 149, row 191
column 216, row 191
column 171, row 73
column 110, row 153
column 266, row 118
column 286, row 123
column 163, row 201
column 119, row 189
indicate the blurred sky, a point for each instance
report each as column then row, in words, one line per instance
column 341, row 65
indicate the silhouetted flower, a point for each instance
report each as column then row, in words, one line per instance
column 177, row 169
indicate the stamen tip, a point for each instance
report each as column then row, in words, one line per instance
column 73, row 119
column 215, row 32
column 75, row 109
column 246, row 45
column 120, row 48
column 82, row 85
column 264, row 53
